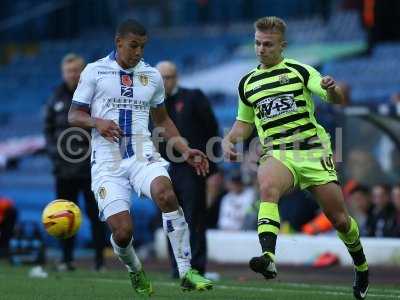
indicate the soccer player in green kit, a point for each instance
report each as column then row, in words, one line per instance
column 275, row 97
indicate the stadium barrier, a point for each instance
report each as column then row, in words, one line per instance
column 296, row 249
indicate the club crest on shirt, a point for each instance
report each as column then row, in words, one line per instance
column 126, row 81
column 102, row 192
column 283, row 79
column 144, row 79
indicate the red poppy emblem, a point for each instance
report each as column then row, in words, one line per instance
column 179, row 106
column 126, row 80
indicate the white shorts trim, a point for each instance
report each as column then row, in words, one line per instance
column 145, row 187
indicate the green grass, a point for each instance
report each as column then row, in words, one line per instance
column 114, row 285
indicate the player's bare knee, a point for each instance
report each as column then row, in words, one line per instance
column 269, row 192
column 166, row 199
column 122, row 235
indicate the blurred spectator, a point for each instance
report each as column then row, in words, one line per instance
column 236, row 203
column 360, row 201
column 71, row 162
column 396, row 202
column 8, row 218
column 363, row 167
column 249, row 169
column 383, row 214
column 249, row 165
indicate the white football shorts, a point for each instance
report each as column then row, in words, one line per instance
column 112, row 182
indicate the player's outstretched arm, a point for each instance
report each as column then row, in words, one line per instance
column 196, row 158
column 80, row 117
column 335, row 94
column 239, row 132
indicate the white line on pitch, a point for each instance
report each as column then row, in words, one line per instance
column 274, row 289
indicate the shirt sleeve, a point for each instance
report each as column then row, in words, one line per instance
column 245, row 113
column 159, row 93
column 314, row 83
column 84, row 92
column 245, row 109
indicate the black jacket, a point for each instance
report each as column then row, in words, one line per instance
column 191, row 112
column 383, row 221
column 56, row 122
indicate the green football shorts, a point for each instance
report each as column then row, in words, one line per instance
column 309, row 167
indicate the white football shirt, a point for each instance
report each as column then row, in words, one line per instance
column 124, row 96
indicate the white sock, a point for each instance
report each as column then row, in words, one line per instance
column 127, row 256
column 177, row 229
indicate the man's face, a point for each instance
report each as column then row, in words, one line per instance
column 71, row 71
column 396, row 197
column 269, row 46
column 130, row 48
column 380, row 196
column 361, row 201
column 235, row 187
column 170, row 78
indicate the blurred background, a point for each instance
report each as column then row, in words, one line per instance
column 211, row 41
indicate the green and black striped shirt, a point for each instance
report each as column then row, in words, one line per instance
column 278, row 101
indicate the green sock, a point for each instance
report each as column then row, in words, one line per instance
column 268, row 227
column 352, row 241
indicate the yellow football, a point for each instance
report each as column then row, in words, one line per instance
column 61, row 218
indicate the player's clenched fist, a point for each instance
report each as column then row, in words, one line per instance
column 108, row 129
column 328, row 83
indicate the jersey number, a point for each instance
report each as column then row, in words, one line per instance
column 327, row 163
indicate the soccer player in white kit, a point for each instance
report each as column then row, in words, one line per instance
column 115, row 97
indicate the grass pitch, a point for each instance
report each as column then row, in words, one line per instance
column 16, row 285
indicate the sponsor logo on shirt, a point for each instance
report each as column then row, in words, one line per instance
column 274, row 106
column 126, row 103
column 107, row 72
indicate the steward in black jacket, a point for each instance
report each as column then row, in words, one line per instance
column 190, row 111
column 69, row 160
column 69, row 151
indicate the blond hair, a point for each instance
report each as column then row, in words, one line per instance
column 271, row 23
